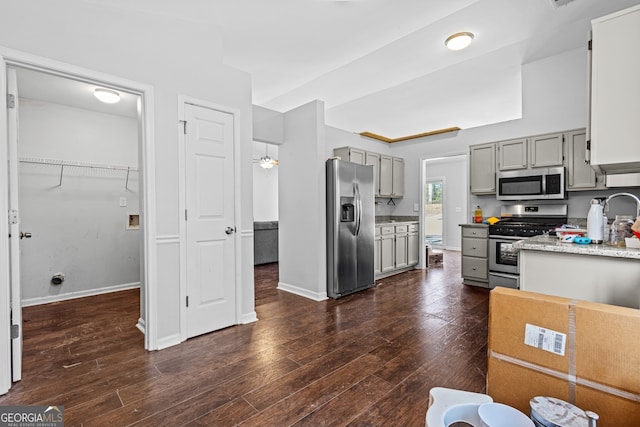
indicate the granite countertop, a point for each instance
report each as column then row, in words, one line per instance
column 474, row 224
column 395, row 219
column 552, row 244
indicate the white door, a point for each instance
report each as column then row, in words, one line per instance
column 14, row 228
column 210, row 228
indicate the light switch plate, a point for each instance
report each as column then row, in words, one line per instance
column 416, row 207
column 123, row 202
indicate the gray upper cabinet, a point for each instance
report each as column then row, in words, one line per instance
column 388, row 171
column 580, row 176
column 546, row 150
column 539, row 151
column 512, row 154
column 373, row 159
column 391, row 176
column 482, row 168
column 353, row 155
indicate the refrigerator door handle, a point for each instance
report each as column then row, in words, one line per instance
column 356, row 191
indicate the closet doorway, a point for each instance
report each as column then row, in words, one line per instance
column 79, row 192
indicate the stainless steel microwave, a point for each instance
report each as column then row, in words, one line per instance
column 531, row 184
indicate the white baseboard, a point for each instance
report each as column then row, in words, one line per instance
column 142, row 325
column 248, row 318
column 78, row 294
column 169, row 341
column 320, row 296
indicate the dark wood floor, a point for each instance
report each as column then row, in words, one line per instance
column 368, row 359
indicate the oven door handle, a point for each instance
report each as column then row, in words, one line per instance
column 514, row 238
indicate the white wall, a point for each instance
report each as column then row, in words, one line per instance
column 302, row 225
column 174, row 57
column 265, row 184
column 78, row 228
column 453, row 171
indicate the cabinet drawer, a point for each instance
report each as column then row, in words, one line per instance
column 401, row 228
column 413, row 228
column 480, row 232
column 474, row 247
column 387, row 229
column 475, row 268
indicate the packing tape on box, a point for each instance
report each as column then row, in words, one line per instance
column 572, row 380
column 571, row 337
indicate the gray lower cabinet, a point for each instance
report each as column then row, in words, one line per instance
column 475, row 255
column 396, row 248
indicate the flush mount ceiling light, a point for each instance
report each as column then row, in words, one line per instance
column 459, row 41
column 107, row 96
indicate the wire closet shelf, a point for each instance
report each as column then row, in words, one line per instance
column 68, row 164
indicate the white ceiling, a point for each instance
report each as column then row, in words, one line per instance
column 381, row 65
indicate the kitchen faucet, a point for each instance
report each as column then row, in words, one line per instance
column 606, row 202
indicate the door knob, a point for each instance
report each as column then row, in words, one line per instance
column 230, row 230
column 25, row 235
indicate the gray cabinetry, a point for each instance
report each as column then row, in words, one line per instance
column 397, row 247
column 475, row 255
column 401, row 246
column 482, row 168
column 391, row 176
column 512, row 154
column 413, row 245
column 546, row 151
column 387, row 249
column 377, row 249
column 350, row 154
column 580, row 175
column 388, row 171
column 373, row 159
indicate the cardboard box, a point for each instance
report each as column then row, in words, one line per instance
column 584, row 353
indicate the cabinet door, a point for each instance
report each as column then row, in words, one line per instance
column 387, row 253
column 377, row 252
column 386, row 176
column 397, row 178
column 546, row 150
column 580, row 176
column 615, row 89
column 482, row 169
column 512, row 154
column 373, row 159
column 356, row 156
column 401, row 250
column 413, row 248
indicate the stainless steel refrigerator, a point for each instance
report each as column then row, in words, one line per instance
column 350, row 227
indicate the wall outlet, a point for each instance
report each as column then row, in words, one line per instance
column 458, row 209
column 416, row 207
column 123, row 202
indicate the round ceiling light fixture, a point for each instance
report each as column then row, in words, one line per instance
column 107, row 96
column 459, row 41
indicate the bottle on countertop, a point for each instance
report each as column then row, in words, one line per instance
column 595, row 221
column 477, row 215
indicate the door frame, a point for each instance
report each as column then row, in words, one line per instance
column 423, row 176
column 441, row 179
column 9, row 57
column 235, row 112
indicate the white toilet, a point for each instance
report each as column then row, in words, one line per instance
column 448, row 406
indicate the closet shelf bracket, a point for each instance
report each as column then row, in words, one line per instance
column 61, row 172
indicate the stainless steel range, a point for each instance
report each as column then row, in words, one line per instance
column 518, row 222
